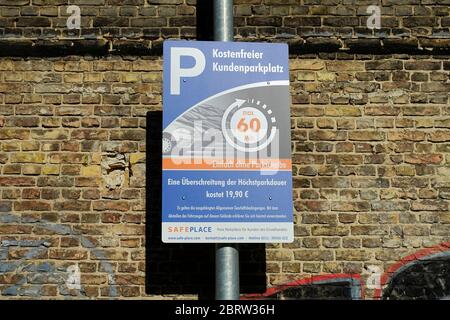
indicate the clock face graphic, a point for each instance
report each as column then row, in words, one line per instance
column 249, row 125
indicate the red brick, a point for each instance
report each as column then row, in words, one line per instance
column 32, row 206
column 423, row 158
column 10, row 229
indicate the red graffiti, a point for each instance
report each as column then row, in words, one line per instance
column 387, row 275
column 355, row 279
column 320, row 279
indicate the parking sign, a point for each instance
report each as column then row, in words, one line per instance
column 227, row 170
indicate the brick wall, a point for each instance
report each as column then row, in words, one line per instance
column 140, row 25
column 370, row 131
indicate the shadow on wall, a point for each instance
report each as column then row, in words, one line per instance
column 205, row 20
column 186, row 269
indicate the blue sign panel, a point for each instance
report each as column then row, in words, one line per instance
column 227, row 170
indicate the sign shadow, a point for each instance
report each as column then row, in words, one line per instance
column 188, row 269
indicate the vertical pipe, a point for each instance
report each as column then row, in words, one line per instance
column 227, row 255
column 223, row 20
column 227, row 272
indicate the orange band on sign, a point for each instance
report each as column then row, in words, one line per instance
column 188, row 163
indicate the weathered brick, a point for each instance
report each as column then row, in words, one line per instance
column 50, row 134
column 368, row 230
column 327, row 135
column 32, row 206
column 73, row 205
column 311, row 206
column 435, row 87
column 70, row 158
column 423, row 65
column 390, row 206
column 439, row 136
column 22, row 122
column 342, row 111
column 355, row 206
column 366, row 135
column 384, row 65
column 353, row 255
column 330, row 231
column 264, row 21
column 419, row 21
column 111, row 205
column 306, row 64
column 128, row 135
column 429, row 205
column 30, row 169
column 20, row 134
column 28, row 157
column 344, row 159
column 442, row 123
column 33, row 21
column 345, row 66
column 421, row 110
column 423, row 158
column 109, row 254
column 406, row 135
column 313, row 255
column 340, row 21
column 89, row 134
column 55, row 181
column 68, row 254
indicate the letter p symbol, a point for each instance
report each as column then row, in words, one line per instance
column 176, row 72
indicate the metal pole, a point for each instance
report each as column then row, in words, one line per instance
column 227, row 272
column 227, row 255
column 223, row 20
